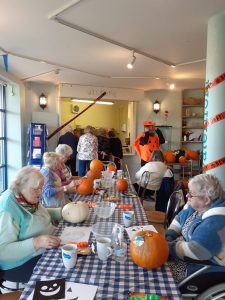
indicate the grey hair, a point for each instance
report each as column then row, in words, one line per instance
column 25, row 175
column 64, row 150
column 88, row 129
column 50, row 159
column 208, row 185
column 157, row 155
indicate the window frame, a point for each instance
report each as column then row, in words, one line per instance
column 3, row 139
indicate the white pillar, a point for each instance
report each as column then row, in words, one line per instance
column 214, row 133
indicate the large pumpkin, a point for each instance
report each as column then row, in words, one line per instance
column 191, row 154
column 169, row 157
column 75, row 212
column 96, row 165
column 148, row 249
column 121, row 184
column 85, row 186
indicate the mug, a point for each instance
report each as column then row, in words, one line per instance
column 69, row 256
column 128, row 217
column 103, row 248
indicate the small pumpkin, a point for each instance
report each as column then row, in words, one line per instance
column 111, row 167
column 184, row 182
column 191, row 154
column 121, row 184
column 96, row 164
column 182, row 160
column 75, row 212
column 94, row 174
column 148, row 249
column 85, row 186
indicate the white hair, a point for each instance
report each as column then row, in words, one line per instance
column 207, row 186
column 26, row 178
column 64, row 150
column 50, row 159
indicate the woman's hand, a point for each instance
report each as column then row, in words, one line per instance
column 46, row 241
column 71, row 187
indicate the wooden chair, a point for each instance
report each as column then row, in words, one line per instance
column 157, row 218
column 11, row 296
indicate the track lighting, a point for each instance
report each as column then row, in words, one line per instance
column 131, row 64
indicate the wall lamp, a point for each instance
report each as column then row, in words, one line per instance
column 156, row 106
column 131, row 64
column 43, row 101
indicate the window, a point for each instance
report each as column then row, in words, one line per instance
column 3, row 162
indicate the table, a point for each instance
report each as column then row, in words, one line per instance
column 113, row 279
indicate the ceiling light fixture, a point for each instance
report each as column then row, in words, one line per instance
column 171, row 86
column 92, row 101
column 131, row 64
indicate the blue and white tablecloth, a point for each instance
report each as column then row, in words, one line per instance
column 114, row 279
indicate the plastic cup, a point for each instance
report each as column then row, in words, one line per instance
column 69, row 256
column 128, row 218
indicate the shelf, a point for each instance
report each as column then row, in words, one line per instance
column 192, row 127
column 193, row 142
column 192, row 117
column 196, row 105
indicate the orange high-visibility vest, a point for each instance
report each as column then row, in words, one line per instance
column 145, row 151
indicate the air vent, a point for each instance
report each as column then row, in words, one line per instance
column 74, row 108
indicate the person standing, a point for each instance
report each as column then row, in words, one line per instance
column 116, row 149
column 103, row 145
column 87, row 150
column 148, row 141
column 71, row 140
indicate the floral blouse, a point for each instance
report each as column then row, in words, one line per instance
column 87, row 148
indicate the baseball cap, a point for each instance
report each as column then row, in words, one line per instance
column 148, row 123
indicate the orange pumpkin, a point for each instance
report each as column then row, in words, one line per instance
column 182, row 160
column 94, row 174
column 96, row 165
column 191, row 154
column 169, row 157
column 121, row 184
column 111, row 167
column 85, row 187
column 148, row 249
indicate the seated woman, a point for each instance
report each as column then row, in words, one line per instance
column 64, row 172
column 198, row 231
column 26, row 228
column 158, row 170
column 53, row 192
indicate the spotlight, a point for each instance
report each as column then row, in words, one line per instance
column 131, row 64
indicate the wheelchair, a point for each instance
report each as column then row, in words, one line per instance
column 204, row 282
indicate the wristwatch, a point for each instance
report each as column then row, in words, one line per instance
column 64, row 188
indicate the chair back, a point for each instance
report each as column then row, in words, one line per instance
column 176, row 200
column 145, row 178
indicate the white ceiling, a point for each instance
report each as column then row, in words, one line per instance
column 171, row 30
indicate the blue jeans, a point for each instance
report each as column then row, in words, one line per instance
column 83, row 167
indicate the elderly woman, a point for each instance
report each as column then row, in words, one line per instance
column 64, row 151
column 54, row 192
column 87, row 150
column 26, row 228
column 158, row 170
column 198, row 231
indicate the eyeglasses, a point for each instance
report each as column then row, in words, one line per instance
column 189, row 195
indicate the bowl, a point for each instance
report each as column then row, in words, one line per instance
column 104, row 209
column 105, row 229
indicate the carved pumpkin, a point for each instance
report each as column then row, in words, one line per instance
column 169, row 157
column 75, row 212
column 96, row 165
column 111, row 167
column 121, row 184
column 148, row 249
column 85, row 187
column 182, row 160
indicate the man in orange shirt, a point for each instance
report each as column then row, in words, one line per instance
column 148, row 141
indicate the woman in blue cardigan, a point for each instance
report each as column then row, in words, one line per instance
column 198, row 231
column 26, row 228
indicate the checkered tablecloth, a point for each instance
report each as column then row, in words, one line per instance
column 114, row 280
